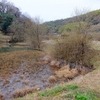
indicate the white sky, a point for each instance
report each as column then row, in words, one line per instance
column 54, row 9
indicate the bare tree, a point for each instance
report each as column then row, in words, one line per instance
column 17, row 31
column 35, row 32
column 83, row 20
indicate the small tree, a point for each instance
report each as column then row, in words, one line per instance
column 35, row 32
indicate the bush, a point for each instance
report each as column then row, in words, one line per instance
column 74, row 48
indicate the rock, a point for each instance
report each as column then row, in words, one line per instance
column 52, row 79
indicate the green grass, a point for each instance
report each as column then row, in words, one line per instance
column 73, row 92
column 13, row 47
column 10, row 49
column 55, row 91
column 65, row 92
column 82, row 94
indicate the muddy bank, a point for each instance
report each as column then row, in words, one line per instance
column 23, row 77
column 42, row 76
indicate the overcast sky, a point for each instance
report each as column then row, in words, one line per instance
column 54, row 9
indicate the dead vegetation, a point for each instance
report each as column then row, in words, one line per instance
column 23, row 92
column 9, row 62
column 67, row 73
column 1, row 97
column 74, row 48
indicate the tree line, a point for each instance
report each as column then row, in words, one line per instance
column 19, row 26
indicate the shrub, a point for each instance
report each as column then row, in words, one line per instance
column 74, row 48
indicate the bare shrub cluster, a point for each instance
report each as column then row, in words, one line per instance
column 23, row 92
column 74, row 48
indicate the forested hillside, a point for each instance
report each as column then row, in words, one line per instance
column 59, row 26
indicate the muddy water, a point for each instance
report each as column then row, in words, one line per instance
column 28, row 76
column 23, row 77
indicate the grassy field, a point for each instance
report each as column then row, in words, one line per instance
column 5, row 46
column 10, row 61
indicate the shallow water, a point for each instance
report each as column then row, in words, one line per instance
column 38, row 78
column 28, row 76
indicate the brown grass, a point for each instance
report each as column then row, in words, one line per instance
column 92, row 79
column 23, row 92
column 66, row 72
column 11, row 60
column 1, row 97
column 74, row 48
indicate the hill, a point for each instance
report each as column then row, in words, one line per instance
column 93, row 17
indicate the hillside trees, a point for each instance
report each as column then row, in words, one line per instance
column 7, row 21
column 7, row 13
column 19, row 26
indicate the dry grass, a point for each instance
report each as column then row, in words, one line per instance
column 23, row 92
column 92, row 79
column 74, row 48
column 66, row 72
column 11, row 60
column 1, row 97
column 96, row 45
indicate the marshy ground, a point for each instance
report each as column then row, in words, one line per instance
column 28, row 68
column 27, row 71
